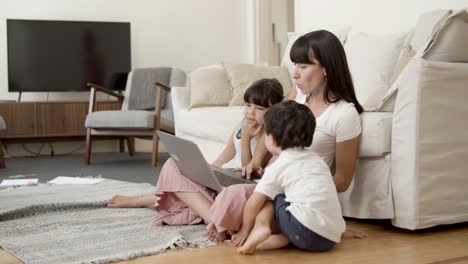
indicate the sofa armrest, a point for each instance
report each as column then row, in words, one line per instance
column 180, row 97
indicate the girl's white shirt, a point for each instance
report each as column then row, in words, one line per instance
column 236, row 162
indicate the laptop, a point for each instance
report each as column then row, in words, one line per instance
column 191, row 163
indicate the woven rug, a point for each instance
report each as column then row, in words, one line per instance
column 71, row 224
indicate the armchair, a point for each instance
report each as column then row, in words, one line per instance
column 144, row 110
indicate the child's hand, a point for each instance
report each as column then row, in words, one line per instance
column 252, row 170
column 250, row 128
column 239, row 238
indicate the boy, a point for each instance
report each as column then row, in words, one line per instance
column 305, row 202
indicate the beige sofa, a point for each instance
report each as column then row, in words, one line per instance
column 413, row 150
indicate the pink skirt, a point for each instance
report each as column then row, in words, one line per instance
column 227, row 210
column 173, row 211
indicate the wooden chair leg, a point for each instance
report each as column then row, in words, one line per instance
column 154, row 156
column 88, row 146
column 131, row 145
column 2, row 158
column 122, row 145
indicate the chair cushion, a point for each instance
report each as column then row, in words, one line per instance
column 2, row 124
column 376, row 134
column 136, row 119
column 215, row 123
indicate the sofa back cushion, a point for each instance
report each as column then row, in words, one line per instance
column 209, row 86
column 450, row 40
column 372, row 61
column 242, row 76
column 425, row 26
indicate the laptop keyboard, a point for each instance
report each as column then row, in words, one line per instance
column 226, row 180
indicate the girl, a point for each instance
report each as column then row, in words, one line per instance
column 180, row 201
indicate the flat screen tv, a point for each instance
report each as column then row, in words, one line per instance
column 65, row 55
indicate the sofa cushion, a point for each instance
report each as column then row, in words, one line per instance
column 2, row 124
column 214, row 123
column 450, row 41
column 242, row 76
column 135, row 119
column 209, row 86
column 372, row 60
column 376, row 134
column 425, row 26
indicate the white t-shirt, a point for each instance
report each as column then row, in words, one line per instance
column 339, row 122
column 305, row 180
column 236, row 162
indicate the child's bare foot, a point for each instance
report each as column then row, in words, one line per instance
column 350, row 233
column 273, row 242
column 213, row 234
column 122, row 201
column 258, row 235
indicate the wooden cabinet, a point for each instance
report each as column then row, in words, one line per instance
column 30, row 120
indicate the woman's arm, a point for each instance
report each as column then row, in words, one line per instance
column 345, row 161
column 252, row 208
column 228, row 153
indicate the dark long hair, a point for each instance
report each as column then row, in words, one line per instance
column 327, row 49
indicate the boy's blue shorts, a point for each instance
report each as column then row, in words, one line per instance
column 297, row 234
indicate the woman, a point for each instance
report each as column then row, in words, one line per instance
column 324, row 84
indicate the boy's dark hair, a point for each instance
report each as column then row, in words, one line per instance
column 291, row 124
column 327, row 49
column 264, row 92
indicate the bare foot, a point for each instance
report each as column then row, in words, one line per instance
column 257, row 236
column 213, row 234
column 273, row 242
column 350, row 233
column 122, row 201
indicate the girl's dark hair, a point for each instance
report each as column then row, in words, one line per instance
column 327, row 49
column 264, row 92
column 291, row 124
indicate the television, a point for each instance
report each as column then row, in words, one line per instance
column 46, row 56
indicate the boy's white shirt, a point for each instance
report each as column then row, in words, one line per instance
column 339, row 122
column 307, row 183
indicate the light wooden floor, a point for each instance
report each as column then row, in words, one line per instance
column 386, row 244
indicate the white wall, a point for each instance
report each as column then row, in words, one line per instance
column 371, row 16
column 179, row 33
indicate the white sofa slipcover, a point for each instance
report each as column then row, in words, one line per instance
column 411, row 165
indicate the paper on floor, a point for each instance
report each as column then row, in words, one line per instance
column 19, row 182
column 74, row 180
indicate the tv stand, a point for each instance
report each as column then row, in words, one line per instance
column 47, row 121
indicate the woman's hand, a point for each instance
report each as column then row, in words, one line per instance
column 250, row 128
